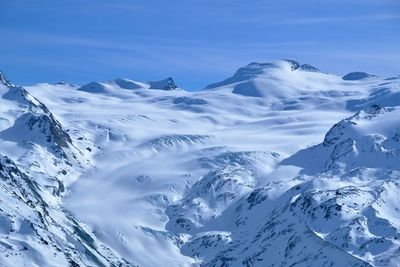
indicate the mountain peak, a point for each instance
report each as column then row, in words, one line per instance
column 358, row 75
column 295, row 65
column 257, row 69
column 65, row 83
column 5, row 81
column 128, row 84
column 167, row 84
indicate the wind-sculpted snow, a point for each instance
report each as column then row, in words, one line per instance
column 260, row 159
column 386, row 94
column 175, row 141
column 187, row 101
column 260, row 169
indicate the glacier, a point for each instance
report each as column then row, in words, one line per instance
column 280, row 164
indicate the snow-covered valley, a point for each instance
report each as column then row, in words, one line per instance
column 279, row 165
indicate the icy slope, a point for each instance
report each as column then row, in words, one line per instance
column 237, row 174
column 36, row 232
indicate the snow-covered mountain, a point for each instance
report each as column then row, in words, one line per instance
column 279, row 165
column 119, row 83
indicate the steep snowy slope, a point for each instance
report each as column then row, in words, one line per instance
column 239, row 173
column 36, row 232
column 32, row 136
column 35, row 229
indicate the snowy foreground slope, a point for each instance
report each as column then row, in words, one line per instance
column 278, row 165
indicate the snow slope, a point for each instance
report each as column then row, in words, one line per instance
column 260, row 169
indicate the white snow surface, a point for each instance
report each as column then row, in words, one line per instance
column 278, row 165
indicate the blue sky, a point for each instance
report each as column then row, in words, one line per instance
column 195, row 42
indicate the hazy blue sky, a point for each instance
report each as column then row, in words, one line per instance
column 196, row 42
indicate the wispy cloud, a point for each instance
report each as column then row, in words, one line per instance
column 143, row 43
column 315, row 20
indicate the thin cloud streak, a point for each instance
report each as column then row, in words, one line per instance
column 142, row 44
column 338, row 19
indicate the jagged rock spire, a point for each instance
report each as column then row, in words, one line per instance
column 5, row 81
